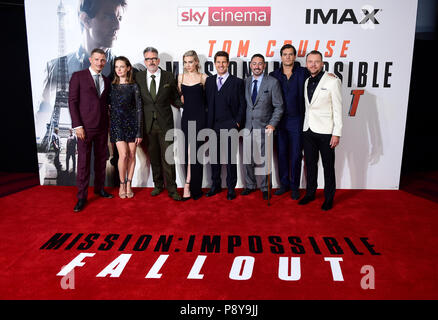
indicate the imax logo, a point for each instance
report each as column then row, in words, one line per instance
column 366, row 18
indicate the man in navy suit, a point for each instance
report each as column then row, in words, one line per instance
column 292, row 77
column 226, row 110
column 88, row 103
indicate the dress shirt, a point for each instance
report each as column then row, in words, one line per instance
column 312, row 84
column 290, row 89
column 259, row 82
column 224, row 78
column 101, row 82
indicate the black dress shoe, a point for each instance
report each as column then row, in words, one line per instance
column 231, row 194
column 247, row 191
column 295, row 195
column 213, row 191
column 185, row 198
column 197, row 196
column 102, row 193
column 79, row 205
column 327, row 205
column 266, row 195
column 306, row 199
column 280, row 191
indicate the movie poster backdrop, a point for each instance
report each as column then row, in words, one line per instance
column 367, row 44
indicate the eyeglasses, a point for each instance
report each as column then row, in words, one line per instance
column 150, row 59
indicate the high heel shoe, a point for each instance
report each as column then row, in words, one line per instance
column 129, row 194
column 189, row 197
column 122, row 195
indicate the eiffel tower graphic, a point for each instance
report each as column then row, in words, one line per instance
column 61, row 98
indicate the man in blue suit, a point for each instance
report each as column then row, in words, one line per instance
column 292, row 77
column 226, row 110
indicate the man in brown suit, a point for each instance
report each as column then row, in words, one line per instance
column 88, row 104
column 158, row 92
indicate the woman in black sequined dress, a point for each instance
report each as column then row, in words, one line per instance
column 126, row 116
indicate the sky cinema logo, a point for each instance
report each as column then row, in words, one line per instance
column 224, row 16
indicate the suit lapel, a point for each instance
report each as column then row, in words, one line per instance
column 261, row 89
column 215, row 83
column 144, row 81
column 318, row 88
column 106, row 81
column 91, row 81
column 248, row 89
column 212, row 88
column 306, row 96
column 226, row 83
column 107, row 85
column 160, row 85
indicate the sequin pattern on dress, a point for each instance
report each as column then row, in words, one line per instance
column 126, row 113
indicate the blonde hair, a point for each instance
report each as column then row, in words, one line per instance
column 192, row 53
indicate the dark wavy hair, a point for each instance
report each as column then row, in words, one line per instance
column 288, row 46
column 92, row 7
column 222, row 54
column 129, row 76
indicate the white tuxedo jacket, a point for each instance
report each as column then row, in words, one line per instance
column 324, row 112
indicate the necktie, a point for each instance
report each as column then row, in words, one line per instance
column 254, row 92
column 219, row 86
column 153, row 88
column 97, row 83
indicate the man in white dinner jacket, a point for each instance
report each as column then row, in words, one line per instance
column 322, row 128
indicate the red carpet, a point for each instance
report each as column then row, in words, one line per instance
column 423, row 184
column 11, row 182
column 392, row 231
